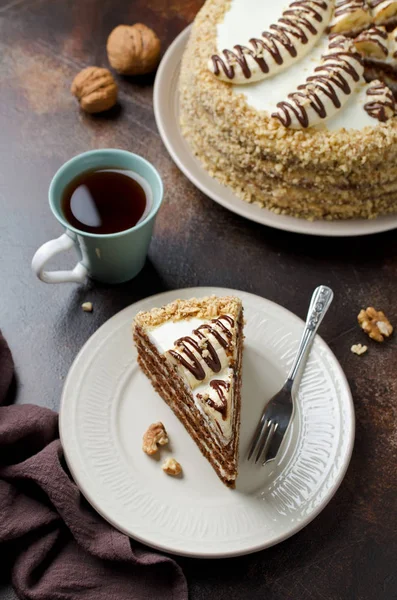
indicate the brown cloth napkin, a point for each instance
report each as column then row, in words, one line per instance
column 56, row 546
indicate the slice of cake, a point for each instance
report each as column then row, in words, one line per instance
column 191, row 350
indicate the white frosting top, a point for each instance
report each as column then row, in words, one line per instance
column 164, row 337
column 288, row 39
column 248, row 18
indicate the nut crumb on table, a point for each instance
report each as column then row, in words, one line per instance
column 87, row 306
column 375, row 324
column 359, row 349
column 172, row 467
column 155, row 435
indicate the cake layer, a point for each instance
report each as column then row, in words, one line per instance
column 302, row 190
column 191, row 428
column 223, row 459
column 146, row 348
column 189, row 417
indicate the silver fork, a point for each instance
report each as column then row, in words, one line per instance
column 278, row 412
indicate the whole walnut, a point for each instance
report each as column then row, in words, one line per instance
column 133, row 49
column 95, row 89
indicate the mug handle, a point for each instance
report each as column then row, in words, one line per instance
column 50, row 249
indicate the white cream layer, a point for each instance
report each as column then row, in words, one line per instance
column 248, row 18
column 163, row 338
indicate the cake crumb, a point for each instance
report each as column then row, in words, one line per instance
column 87, row 306
column 172, row 467
column 359, row 349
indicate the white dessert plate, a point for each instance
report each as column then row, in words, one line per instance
column 107, row 404
column 166, row 110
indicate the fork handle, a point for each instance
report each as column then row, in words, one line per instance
column 320, row 303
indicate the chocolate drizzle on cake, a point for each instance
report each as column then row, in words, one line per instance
column 224, row 342
column 187, row 345
column 375, row 31
column 194, row 365
column 301, row 23
column 221, row 387
column 382, row 105
column 344, row 7
column 323, row 93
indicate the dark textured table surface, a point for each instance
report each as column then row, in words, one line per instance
column 350, row 550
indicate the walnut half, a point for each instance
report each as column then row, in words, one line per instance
column 155, row 435
column 375, row 323
column 172, row 467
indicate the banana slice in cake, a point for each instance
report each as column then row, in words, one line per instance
column 324, row 93
column 287, row 41
column 350, row 16
column 383, row 10
column 373, row 43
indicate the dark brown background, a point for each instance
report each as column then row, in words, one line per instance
column 350, row 550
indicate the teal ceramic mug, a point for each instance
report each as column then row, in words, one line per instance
column 110, row 258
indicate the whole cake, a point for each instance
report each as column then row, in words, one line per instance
column 292, row 105
column 191, row 350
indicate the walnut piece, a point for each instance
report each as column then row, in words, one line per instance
column 155, row 434
column 359, row 349
column 95, row 89
column 172, row 467
column 375, row 323
column 133, row 49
